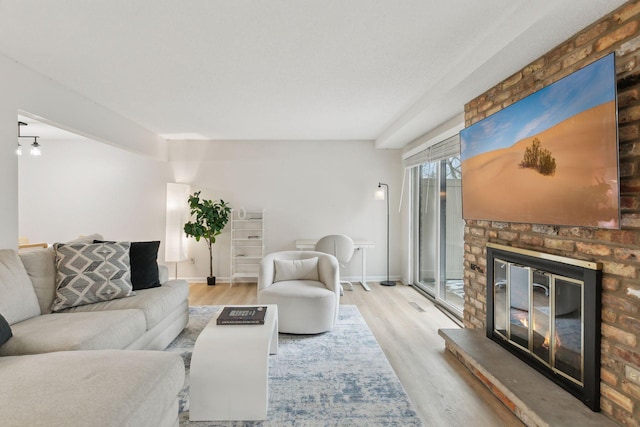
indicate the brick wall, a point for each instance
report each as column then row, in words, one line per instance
column 617, row 250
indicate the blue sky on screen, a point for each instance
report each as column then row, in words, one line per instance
column 588, row 87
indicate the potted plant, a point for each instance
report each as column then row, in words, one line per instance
column 209, row 220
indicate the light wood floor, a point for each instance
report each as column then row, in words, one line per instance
column 442, row 391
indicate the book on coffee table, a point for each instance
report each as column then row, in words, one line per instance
column 242, row 315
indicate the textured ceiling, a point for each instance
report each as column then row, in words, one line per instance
column 287, row 69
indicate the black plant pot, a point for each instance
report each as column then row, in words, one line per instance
column 211, row 281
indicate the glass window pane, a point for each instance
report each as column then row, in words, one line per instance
column 453, row 226
column 427, row 225
column 440, row 232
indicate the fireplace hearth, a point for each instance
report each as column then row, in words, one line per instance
column 545, row 309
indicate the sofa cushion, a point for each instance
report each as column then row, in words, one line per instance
column 163, row 273
column 41, row 268
column 5, row 330
column 91, row 272
column 298, row 290
column 155, row 303
column 304, row 306
column 105, row 388
column 294, row 269
column 18, row 300
column 75, row 331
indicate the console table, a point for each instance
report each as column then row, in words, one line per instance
column 230, row 370
column 360, row 245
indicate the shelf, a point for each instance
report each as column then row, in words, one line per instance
column 246, row 252
column 245, row 275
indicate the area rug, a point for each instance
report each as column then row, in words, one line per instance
column 339, row 378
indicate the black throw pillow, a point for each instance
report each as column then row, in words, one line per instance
column 143, row 257
column 144, row 265
column 5, row 330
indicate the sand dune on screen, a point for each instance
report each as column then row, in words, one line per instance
column 495, row 187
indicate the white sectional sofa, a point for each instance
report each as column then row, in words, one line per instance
column 90, row 364
column 104, row 388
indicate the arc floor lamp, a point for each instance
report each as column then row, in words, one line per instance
column 383, row 194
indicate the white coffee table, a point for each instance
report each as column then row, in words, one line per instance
column 230, row 370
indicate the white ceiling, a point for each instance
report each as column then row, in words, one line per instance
column 384, row 70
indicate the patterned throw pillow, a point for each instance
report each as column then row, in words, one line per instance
column 143, row 257
column 91, row 272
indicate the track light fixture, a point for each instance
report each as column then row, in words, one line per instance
column 35, row 145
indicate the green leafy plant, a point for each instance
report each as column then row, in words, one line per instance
column 209, row 219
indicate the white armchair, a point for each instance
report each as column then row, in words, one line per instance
column 306, row 287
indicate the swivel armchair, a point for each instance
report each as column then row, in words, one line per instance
column 305, row 285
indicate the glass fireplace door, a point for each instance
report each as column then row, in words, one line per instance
column 519, row 299
column 541, row 313
column 545, row 309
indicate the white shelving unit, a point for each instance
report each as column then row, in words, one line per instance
column 247, row 244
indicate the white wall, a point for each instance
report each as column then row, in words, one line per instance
column 82, row 186
column 308, row 189
column 26, row 91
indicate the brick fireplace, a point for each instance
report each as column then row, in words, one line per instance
column 618, row 251
column 545, row 310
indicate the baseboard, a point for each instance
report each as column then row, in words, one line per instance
column 348, row 278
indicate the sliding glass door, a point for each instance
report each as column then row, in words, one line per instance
column 439, row 231
column 427, row 220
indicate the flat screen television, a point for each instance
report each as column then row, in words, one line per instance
column 550, row 158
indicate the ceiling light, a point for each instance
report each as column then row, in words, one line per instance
column 35, row 147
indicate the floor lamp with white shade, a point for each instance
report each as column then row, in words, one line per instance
column 383, row 194
column 177, row 215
